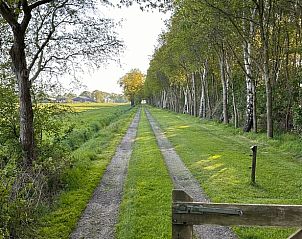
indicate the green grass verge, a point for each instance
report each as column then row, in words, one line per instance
column 219, row 157
column 90, row 161
column 88, row 121
column 146, row 207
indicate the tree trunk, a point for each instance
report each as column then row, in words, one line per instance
column 185, row 108
column 268, row 89
column 202, row 106
column 254, row 108
column 230, row 80
column 194, row 95
column 269, row 106
column 208, row 113
column 17, row 54
column 249, row 87
column 264, row 14
column 251, row 118
column 224, row 88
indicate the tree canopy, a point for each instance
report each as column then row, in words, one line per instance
column 133, row 83
column 231, row 60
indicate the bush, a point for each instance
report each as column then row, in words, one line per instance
column 20, row 195
column 298, row 119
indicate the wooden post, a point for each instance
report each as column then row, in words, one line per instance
column 254, row 159
column 181, row 231
column 297, row 235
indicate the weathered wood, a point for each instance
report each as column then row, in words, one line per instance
column 252, row 215
column 296, row 235
column 254, row 158
column 184, row 230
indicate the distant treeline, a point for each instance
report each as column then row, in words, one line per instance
column 85, row 96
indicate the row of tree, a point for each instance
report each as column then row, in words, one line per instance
column 236, row 61
column 96, row 96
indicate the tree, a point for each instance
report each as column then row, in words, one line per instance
column 133, row 83
column 48, row 36
column 98, row 96
column 252, row 46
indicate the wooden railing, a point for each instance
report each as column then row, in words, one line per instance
column 186, row 213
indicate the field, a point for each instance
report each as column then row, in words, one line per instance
column 97, row 130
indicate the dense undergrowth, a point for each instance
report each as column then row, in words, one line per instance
column 27, row 194
column 219, row 157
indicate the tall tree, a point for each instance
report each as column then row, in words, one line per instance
column 133, row 83
column 49, row 35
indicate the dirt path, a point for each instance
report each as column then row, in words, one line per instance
column 100, row 216
column 183, row 179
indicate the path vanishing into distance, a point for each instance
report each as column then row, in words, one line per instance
column 101, row 214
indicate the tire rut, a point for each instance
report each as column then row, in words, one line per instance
column 100, row 216
column 183, row 179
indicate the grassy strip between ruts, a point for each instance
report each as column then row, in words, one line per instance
column 90, row 161
column 145, row 209
column 219, row 158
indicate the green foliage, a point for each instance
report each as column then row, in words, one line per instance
column 9, row 127
column 23, row 192
column 219, row 158
column 133, row 83
column 145, row 209
column 298, row 119
column 200, row 32
column 86, row 124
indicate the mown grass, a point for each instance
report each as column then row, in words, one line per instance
column 145, row 209
column 89, row 163
column 79, row 107
column 219, row 157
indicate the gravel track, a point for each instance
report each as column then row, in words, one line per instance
column 183, row 179
column 100, row 216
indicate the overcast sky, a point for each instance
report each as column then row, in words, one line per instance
column 139, row 31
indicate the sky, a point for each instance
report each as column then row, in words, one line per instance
column 139, row 31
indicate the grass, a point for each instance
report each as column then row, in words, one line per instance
column 219, row 157
column 145, row 209
column 89, row 120
column 89, row 162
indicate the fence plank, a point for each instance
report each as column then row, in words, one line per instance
column 252, row 215
column 296, row 235
column 181, row 231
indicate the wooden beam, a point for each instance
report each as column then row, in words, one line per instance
column 252, row 215
column 296, row 235
column 181, row 231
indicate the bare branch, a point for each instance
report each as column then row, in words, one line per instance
column 39, row 3
column 8, row 14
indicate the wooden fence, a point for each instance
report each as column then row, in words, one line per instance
column 186, row 213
